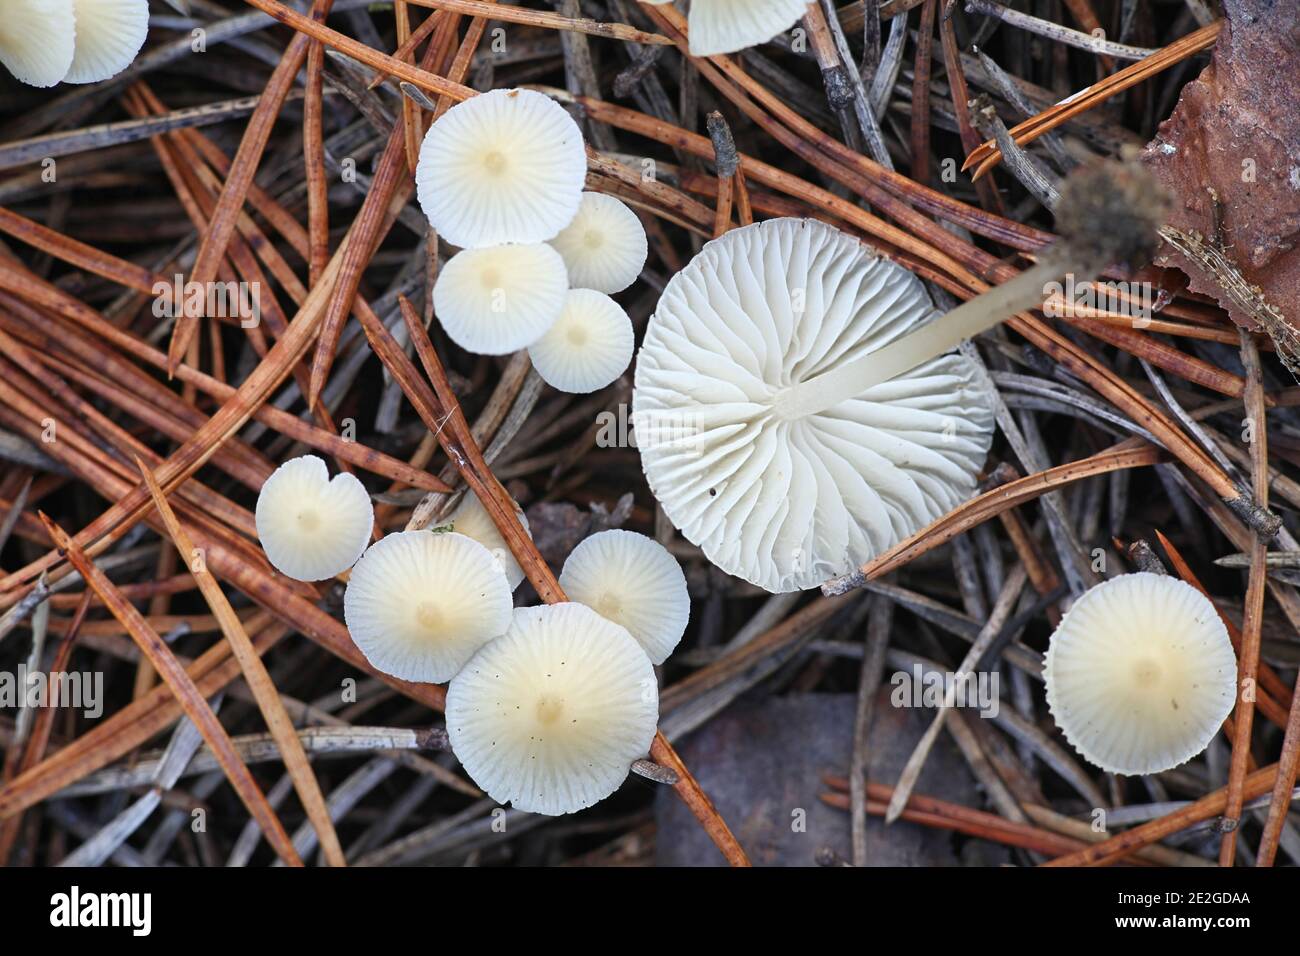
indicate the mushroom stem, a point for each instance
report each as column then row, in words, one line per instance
column 969, row 319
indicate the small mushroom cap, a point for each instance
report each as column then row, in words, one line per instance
column 504, row 166
column 725, row 26
column 472, row 520
column 311, row 526
column 551, row 716
column 604, row 247
column 589, row 346
column 109, row 35
column 37, row 40
column 631, row 580
column 788, row 503
column 499, row 300
column 420, row 603
column 1140, row 673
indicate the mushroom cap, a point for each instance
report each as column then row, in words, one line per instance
column 420, row 603
column 604, row 247
column 311, row 526
column 109, row 35
column 550, row 716
column 503, row 166
column 38, row 40
column 498, row 300
column 1140, row 673
column 589, row 346
column 725, row 26
column 473, row 521
column 788, row 503
column 633, row 581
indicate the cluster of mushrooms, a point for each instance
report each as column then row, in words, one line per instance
column 547, row 707
column 501, row 177
column 45, row 42
column 799, row 410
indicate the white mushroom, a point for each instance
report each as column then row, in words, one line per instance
column 420, row 603
column 1140, row 673
column 604, row 247
column 504, row 166
column 631, row 580
column 311, row 526
column 774, row 485
column 472, row 520
column 725, row 26
column 502, row 299
column 109, row 35
column 588, row 347
column 551, row 716
column 37, row 40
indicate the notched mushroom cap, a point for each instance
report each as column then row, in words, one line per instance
column 472, row 520
column 783, row 499
column 503, row 166
column 631, row 580
column 420, row 603
column 1140, row 673
column 551, row 716
column 588, row 347
column 37, row 40
column 604, row 247
column 109, row 35
column 311, row 526
column 499, row 300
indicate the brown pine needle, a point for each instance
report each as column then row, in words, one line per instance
column 546, row 20
column 182, row 687
column 987, row 155
column 255, row 673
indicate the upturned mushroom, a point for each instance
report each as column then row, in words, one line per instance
column 419, row 604
column 589, row 346
column 778, row 481
column 551, row 716
column 311, row 526
column 1140, row 673
column 503, row 166
column 725, row 26
column 631, row 580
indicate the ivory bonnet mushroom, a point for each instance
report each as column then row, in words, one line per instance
column 1140, row 673
column 783, row 472
column 631, row 580
column 37, row 40
column 498, row 300
column 551, row 716
column 604, row 247
column 472, row 520
column 725, row 26
column 589, row 345
column 311, row 526
column 109, row 35
column 420, row 603
column 503, row 166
